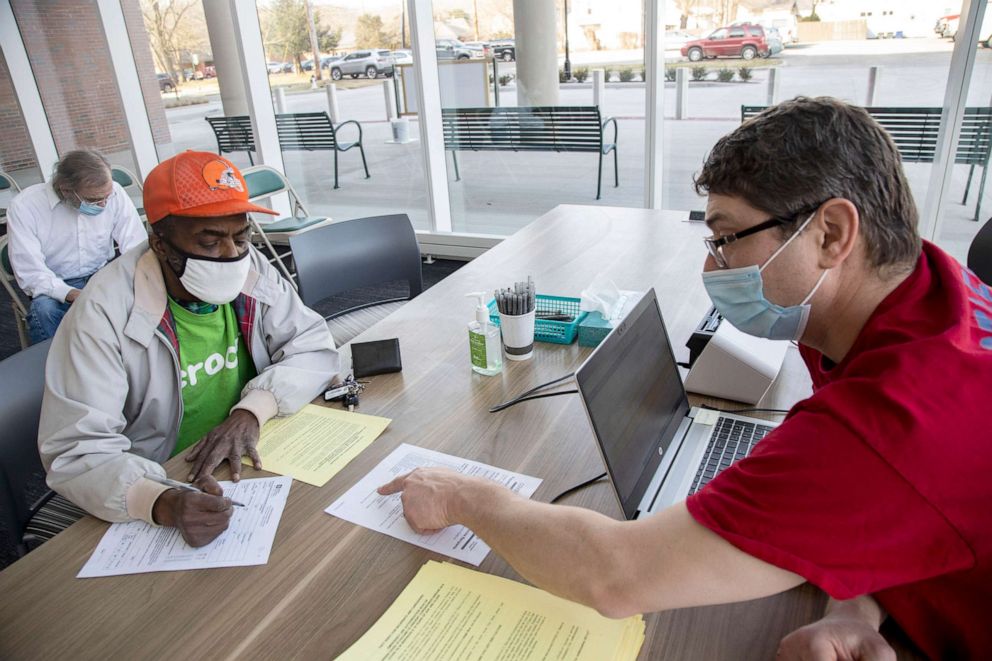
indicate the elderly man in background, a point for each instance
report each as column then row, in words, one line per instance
column 63, row 231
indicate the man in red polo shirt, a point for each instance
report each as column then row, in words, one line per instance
column 877, row 488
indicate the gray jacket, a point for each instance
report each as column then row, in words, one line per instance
column 113, row 403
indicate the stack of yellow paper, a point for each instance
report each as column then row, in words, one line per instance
column 316, row 442
column 449, row 612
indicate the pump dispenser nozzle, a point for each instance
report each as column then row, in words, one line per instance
column 481, row 311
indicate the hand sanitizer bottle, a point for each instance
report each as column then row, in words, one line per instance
column 485, row 347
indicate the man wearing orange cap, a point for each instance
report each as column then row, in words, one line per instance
column 191, row 340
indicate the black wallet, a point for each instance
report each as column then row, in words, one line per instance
column 378, row 357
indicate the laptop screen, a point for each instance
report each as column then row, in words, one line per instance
column 633, row 393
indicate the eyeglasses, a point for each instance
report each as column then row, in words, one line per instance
column 100, row 201
column 715, row 244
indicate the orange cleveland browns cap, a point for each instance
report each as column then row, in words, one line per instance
column 197, row 184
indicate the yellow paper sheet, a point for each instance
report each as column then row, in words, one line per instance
column 449, row 612
column 316, row 442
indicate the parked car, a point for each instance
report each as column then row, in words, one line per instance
column 746, row 41
column 478, row 49
column 275, row 67
column 504, row 49
column 165, row 83
column 371, row 63
column 402, row 57
column 676, row 39
column 452, row 49
column 943, row 27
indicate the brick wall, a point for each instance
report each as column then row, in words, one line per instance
column 70, row 61
column 15, row 146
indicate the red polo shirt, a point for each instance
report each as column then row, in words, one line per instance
column 881, row 482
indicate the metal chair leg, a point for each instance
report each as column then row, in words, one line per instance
column 365, row 165
column 454, row 158
column 250, row 159
column 981, row 191
column 272, row 251
column 336, row 168
column 967, row 187
column 599, row 176
column 616, row 169
column 22, row 328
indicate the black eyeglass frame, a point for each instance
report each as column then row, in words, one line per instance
column 714, row 243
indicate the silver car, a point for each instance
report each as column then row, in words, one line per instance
column 368, row 63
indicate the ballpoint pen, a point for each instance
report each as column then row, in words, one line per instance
column 182, row 486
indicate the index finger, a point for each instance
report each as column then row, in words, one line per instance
column 395, row 486
column 208, row 503
column 209, row 484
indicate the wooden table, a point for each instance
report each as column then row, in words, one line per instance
column 328, row 580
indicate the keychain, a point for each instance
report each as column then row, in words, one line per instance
column 347, row 391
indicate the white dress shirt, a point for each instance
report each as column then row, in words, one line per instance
column 51, row 241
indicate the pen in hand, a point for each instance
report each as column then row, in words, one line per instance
column 182, row 486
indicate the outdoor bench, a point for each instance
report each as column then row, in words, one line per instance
column 539, row 128
column 299, row 131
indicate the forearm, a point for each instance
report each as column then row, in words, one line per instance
column 564, row 550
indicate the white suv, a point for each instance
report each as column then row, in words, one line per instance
column 369, row 63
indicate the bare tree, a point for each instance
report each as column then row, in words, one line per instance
column 686, row 8
column 172, row 30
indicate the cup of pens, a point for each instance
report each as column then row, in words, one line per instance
column 516, row 319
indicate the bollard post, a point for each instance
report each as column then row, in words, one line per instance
column 873, row 76
column 280, row 94
column 681, row 93
column 772, row 87
column 598, row 87
column 387, row 92
column 332, row 103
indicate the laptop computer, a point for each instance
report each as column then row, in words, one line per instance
column 657, row 449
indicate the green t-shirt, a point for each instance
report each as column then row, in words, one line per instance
column 215, row 366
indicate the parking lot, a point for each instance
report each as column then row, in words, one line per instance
column 502, row 191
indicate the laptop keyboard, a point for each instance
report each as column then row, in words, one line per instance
column 731, row 440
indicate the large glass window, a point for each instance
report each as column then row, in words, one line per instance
column 851, row 50
column 71, row 64
column 522, row 125
column 357, row 50
column 967, row 205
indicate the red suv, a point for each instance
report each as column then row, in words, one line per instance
column 743, row 40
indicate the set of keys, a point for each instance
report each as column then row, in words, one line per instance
column 347, row 391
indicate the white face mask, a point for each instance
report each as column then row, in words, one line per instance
column 216, row 280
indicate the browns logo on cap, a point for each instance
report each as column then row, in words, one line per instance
column 196, row 184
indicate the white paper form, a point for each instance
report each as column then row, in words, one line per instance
column 363, row 506
column 137, row 547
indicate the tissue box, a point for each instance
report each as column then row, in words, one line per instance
column 593, row 330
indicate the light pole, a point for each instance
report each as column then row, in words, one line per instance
column 568, row 62
column 403, row 23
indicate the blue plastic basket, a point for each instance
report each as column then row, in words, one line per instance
column 546, row 330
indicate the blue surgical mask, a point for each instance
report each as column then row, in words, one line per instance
column 739, row 295
column 88, row 208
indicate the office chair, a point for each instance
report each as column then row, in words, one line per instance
column 265, row 182
column 357, row 253
column 980, row 253
column 30, row 522
column 16, row 298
